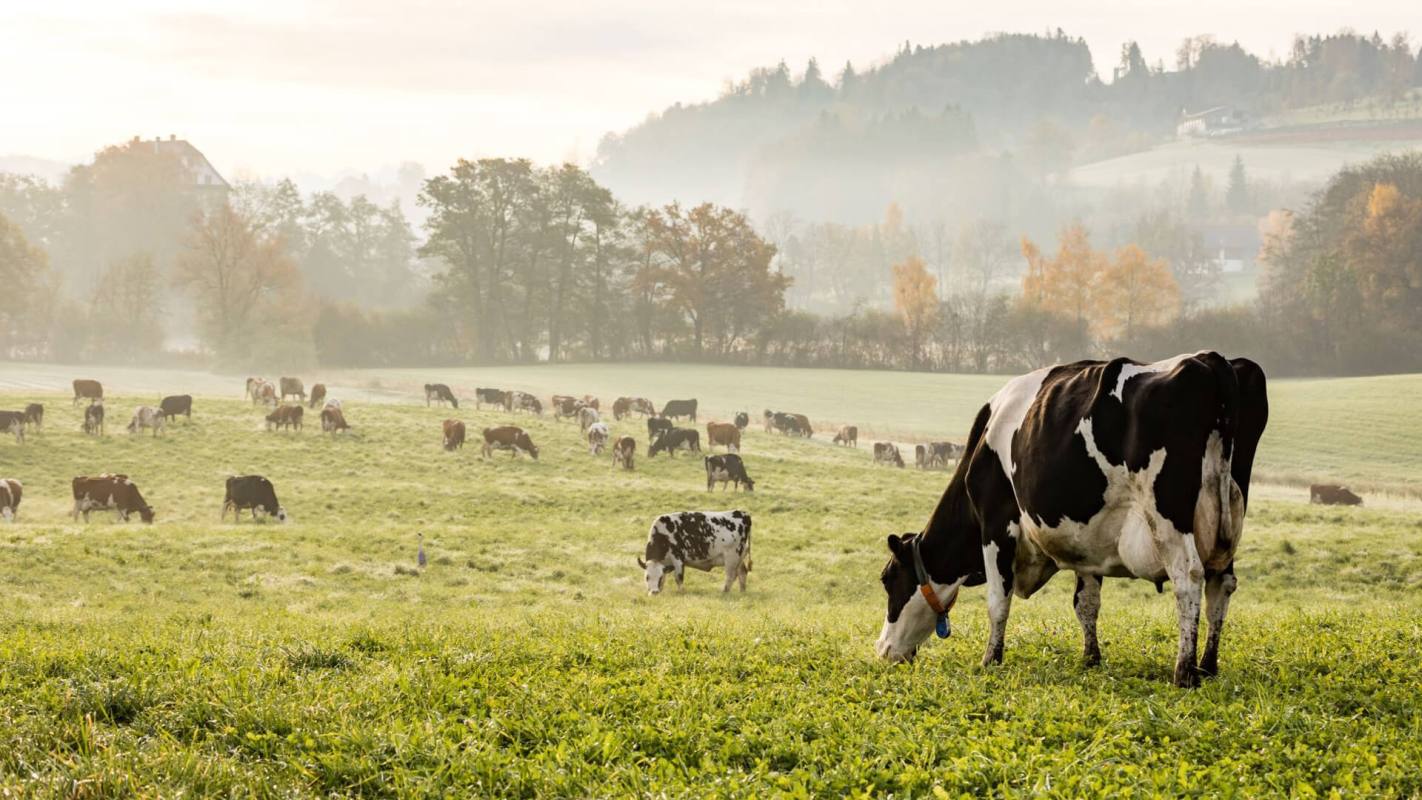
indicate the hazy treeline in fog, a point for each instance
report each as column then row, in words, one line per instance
column 914, row 216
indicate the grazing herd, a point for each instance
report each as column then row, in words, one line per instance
column 1103, row 469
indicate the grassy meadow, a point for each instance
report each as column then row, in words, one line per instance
column 315, row 659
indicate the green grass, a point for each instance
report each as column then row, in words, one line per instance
column 526, row 660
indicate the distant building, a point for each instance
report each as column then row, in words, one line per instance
column 1234, row 248
column 1215, row 121
column 202, row 176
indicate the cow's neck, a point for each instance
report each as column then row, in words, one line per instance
column 951, row 545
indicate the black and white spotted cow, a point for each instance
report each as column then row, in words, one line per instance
column 1107, row 469
column 701, row 540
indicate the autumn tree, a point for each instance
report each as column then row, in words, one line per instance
column 128, row 297
column 23, row 267
column 1385, row 253
column 1066, row 284
column 1136, row 291
column 247, row 289
column 916, row 301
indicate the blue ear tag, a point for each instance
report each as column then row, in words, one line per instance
column 942, row 627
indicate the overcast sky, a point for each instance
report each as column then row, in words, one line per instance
column 272, row 87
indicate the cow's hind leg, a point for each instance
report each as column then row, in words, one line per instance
column 1218, row 588
column 1187, row 575
column 1087, row 603
column 733, row 570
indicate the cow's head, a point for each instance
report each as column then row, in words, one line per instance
column 281, row 515
column 146, row 514
column 749, row 484
column 910, row 618
column 656, row 571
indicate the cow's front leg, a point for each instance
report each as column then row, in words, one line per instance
column 997, row 561
column 1087, row 604
column 1187, row 575
column 1218, row 588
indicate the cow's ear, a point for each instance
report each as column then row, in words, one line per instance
column 898, row 547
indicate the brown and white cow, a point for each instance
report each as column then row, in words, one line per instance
column 511, row 438
column 318, row 396
column 453, row 434
column 285, row 417
column 564, row 406
column 264, row 392
column 87, row 390
column 848, row 435
column 723, row 433
column 147, row 417
column 109, row 492
column 333, row 420
column 624, row 451
column 10, row 492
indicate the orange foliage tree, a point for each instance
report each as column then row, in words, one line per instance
column 1136, row 291
column 916, row 300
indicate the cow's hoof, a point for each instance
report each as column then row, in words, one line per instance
column 1186, row 677
column 1209, row 668
column 1090, row 659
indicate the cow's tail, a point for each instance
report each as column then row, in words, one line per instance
column 1227, row 425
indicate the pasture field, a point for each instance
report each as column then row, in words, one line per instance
column 315, row 659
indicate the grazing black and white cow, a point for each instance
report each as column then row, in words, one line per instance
column 1107, row 469
column 888, row 453
column 252, row 492
column 674, row 440
column 701, row 540
column 727, row 469
column 490, row 397
column 11, row 492
column 94, row 419
column 440, row 393
column 656, row 426
column 147, row 417
column 13, row 422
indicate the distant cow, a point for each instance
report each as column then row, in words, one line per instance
column 727, row 469
column 87, row 390
column 769, row 420
column 621, row 407
column 674, row 440
column 453, row 434
column 565, row 406
column 109, row 492
column 701, row 540
column 265, row 393
column 1331, row 494
column 147, row 417
column 680, row 408
column 293, row 387
column 887, row 453
column 597, row 437
column 510, row 438
column 491, row 397
column 920, row 456
column 940, row 453
column 252, row 492
column 94, row 419
column 587, row 417
column 523, row 401
column 592, row 402
column 175, row 404
column 439, row 393
column 10, row 491
column 723, row 433
column 13, row 422
column 742, row 420
column 318, row 396
column 848, row 436
column 285, row 417
column 34, row 415
column 251, row 391
column 656, row 426
column 800, row 426
column 624, row 450
column 333, row 420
